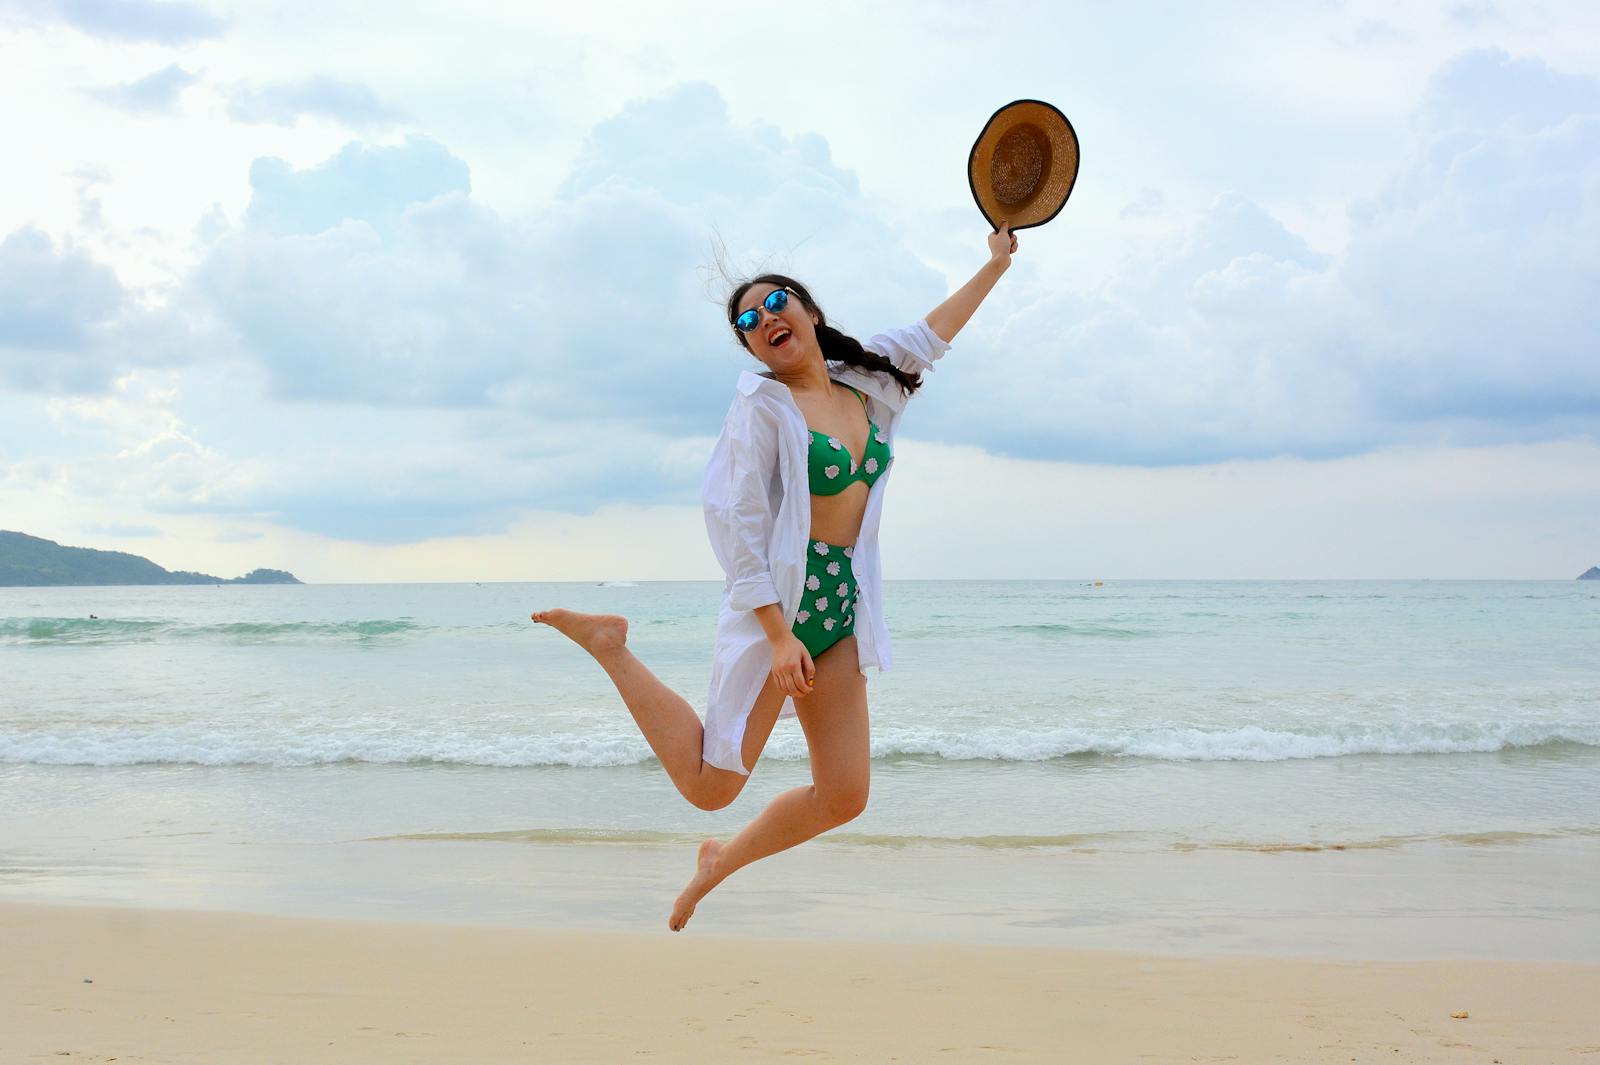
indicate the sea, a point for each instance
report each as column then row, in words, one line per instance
column 1341, row 769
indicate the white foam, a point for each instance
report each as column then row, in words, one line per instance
column 313, row 743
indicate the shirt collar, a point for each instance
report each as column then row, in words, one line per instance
column 751, row 382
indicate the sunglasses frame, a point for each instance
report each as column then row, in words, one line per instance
column 756, row 321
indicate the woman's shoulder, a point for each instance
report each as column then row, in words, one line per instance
column 756, row 400
column 751, row 383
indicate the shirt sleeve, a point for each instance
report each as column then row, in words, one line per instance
column 737, row 497
column 913, row 348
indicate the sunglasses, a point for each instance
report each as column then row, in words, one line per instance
column 775, row 302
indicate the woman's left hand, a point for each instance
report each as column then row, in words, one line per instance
column 1002, row 243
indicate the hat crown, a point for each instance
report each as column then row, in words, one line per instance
column 1020, row 159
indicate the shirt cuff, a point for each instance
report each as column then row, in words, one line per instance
column 937, row 343
column 751, row 592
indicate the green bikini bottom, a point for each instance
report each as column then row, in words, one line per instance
column 828, row 601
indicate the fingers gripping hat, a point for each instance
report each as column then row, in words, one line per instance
column 1023, row 165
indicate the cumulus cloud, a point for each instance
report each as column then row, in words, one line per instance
column 55, row 307
column 68, row 326
column 376, row 277
column 1462, row 308
column 434, row 368
column 170, row 22
column 155, row 92
column 402, row 361
column 285, row 103
column 365, row 183
column 143, row 451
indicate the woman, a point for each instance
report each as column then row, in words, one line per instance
column 793, row 494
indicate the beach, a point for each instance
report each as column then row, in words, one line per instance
column 1144, row 821
column 171, row 986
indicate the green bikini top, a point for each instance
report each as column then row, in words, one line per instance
column 832, row 469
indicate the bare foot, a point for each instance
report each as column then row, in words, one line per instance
column 595, row 633
column 705, row 878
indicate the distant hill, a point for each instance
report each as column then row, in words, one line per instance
column 1592, row 574
column 30, row 561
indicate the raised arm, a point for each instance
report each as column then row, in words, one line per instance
column 947, row 319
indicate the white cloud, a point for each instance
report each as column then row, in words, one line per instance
column 319, row 96
column 56, row 307
column 397, row 351
column 154, row 92
column 163, row 21
column 147, row 456
column 595, row 308
column 1462, row 308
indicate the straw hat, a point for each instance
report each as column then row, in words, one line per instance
column 1023, row 164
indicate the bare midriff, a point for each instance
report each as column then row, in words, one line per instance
column 836, row 519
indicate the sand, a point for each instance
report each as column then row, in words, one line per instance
column 183, row 986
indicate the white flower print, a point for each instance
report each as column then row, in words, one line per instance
column 813, row 583
column 849, row 552
column 827, row 624
column 821, row 603
column 819, row 547
column 880, row 438
column 832, row 472
column 842, row 591
column 833, row 442
column 833, row 569
column 872, row 465
column 803, row 617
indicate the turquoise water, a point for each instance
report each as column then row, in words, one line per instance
column 163, row 748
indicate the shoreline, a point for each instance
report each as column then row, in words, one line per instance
column 174, row 985
column 1523, row 902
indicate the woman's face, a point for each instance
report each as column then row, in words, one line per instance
column 783, row 341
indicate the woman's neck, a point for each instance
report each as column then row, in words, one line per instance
column 809, row 377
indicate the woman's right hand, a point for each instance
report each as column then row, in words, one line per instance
column 792, row 667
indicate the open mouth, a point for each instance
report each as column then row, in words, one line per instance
column 778, row 338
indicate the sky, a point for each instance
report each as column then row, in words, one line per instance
column 433, row 292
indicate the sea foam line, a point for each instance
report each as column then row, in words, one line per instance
column 321, row 742
column 153, row 630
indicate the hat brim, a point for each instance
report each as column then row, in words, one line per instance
column 1054, row 144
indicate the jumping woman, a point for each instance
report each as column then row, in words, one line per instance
column 793, row 495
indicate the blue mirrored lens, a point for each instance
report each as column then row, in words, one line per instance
column 747, row 321
column 776, row 301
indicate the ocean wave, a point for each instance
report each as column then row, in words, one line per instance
column 153, row 630
column 317, row 742
column 1249, row 743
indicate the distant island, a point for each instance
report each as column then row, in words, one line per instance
column 1592, row 574
column 29, row 561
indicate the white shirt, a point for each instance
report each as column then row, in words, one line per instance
column 757, row 498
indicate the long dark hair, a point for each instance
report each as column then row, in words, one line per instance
column 836, row 346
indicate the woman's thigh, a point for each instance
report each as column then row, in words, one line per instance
column 758, row 727
column 834, row 718
column 718, row 787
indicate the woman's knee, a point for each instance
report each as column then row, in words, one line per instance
column 844, row 804
column 715, row 788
